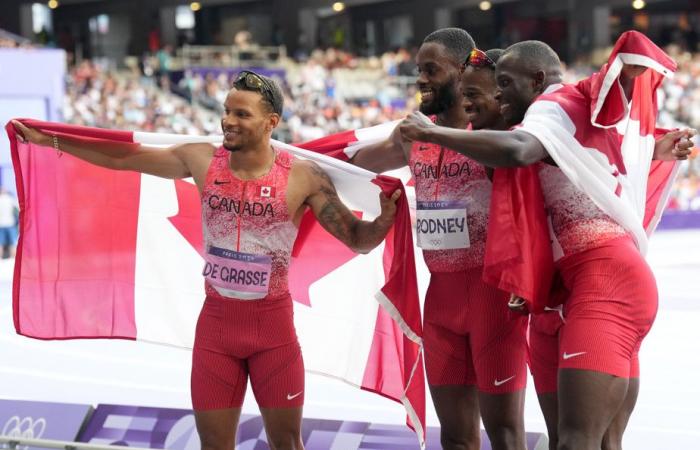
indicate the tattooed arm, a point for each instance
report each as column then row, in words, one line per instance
column 360, row 235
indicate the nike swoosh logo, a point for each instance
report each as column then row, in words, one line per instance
column 500, row 382
column 571, row 355
column 217, row 182
column 292, row 397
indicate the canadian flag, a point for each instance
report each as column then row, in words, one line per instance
column 267, row 192
column 110, row 254
column 604, row 145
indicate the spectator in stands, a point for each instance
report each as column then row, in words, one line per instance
column 164, row 57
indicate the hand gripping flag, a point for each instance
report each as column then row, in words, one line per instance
column 604, row 146
column 110, row 254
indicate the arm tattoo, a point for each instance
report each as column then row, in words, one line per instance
column 334, row 217
column 338, row 220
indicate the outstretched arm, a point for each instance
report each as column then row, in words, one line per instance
column 360, row 235
column 166, row 163
column 488, row 147
column 383, row 156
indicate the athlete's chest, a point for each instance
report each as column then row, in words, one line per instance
column 433, row 163
column 260, row 199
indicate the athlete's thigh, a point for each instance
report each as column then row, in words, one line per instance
column 498, row 341
column 283, row 427
column 277, row 377
column 543, row 350
column 448, row 357
column 589, row 400
column 219, row 378
column 276, row 369
column 613, row 436
column 499, row 410
column 217, row 428
column 457, row 408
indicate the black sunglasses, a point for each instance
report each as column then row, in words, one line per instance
column 255, row 82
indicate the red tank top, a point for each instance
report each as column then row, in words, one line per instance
column 248, row 231
column 577, row 223
column 453, row 195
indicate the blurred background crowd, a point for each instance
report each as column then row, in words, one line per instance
column 327, row 89
column 328, row 92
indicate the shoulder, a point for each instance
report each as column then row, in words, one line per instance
column 284, row 158
column 308, row 169
column 556, row 113
column 200, row 148
column 311, row 175
column 195, row 151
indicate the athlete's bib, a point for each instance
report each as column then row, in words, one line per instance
column 238, row 275
column 442, row 225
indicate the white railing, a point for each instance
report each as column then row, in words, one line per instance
column 18, row 443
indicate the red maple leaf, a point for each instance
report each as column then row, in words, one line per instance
column 188, row 220
column 315, row 254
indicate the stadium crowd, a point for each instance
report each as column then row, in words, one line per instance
column 318, row 101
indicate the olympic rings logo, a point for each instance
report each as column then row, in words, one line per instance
column 26, row 428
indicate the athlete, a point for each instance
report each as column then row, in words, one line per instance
column 475, row 350
column 253, row 198
column 612, row 296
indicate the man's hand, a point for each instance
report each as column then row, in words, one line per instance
column 415, row 127
column 674, row 145
column 517, row 304
column 388, row 205
column 31, row 134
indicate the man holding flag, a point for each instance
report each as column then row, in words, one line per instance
column 603, row 194
column 253, row 197
column 475, row 348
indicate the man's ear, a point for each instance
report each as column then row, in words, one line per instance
column 273, row 120
column 538, row 81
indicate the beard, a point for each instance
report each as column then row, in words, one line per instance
column 443, row 100
column 232, row 148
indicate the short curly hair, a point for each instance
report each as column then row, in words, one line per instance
column 536, row 55
column 456, row 41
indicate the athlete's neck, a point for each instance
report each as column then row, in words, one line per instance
column 251, row 163
column 455, row 117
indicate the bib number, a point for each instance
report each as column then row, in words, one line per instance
column 442, row 225
column 238, row 275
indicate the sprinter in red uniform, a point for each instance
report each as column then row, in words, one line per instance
column 253, row 198
column 475, row 350
column 612, row 296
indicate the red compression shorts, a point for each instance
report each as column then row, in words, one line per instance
column 470, row 335
column 236, row 339
column 611, row 308
column 543, row 350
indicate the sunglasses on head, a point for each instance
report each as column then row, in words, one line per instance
column 478, row 58
column 255, row 82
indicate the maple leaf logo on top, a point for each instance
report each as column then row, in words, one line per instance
column 266, row 192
